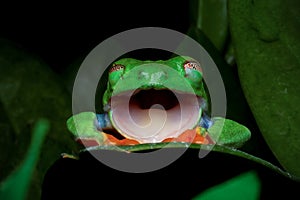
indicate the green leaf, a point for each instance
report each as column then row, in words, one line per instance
column 267, row 45
column 234, row 189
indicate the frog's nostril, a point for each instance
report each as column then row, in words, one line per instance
column 164, row 75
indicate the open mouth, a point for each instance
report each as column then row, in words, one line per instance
column 150, row 116
column 145, row 99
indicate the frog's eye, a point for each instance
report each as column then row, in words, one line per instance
column 116, row 67
column 192, row 65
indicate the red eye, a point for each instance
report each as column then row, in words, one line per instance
column 193, row 65
column 116, row 67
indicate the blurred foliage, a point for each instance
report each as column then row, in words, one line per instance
column 234, row 188
column 210, row 16
column 266, row 44
column 29, row 90
column 20, row 179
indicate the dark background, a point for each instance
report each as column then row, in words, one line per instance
column 60, row 34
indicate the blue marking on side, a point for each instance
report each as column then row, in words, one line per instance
column 205, row 121
column 103, row 121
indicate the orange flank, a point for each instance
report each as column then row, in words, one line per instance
column 111, row 140
column 189, row 136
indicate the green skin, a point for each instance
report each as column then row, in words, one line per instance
column 129, row 74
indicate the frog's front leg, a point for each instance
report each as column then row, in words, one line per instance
column 85, row 127
column 205, row 121
column 103, row 121
column 228, row 132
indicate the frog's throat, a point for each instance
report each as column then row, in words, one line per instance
column 154, row 115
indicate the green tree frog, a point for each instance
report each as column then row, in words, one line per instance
column 155, row 101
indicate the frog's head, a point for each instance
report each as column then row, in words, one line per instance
column 151, row 100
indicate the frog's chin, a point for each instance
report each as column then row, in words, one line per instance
column 150, row 116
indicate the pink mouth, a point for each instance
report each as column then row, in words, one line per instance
column 150, row 116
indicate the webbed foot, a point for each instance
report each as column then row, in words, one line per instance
column 83, row 126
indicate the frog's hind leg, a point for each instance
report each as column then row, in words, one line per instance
column 228, row 132
column 82, row 126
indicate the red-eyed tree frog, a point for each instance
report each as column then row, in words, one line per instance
column 155, row 101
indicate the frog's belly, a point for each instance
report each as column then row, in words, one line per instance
column 155, row 124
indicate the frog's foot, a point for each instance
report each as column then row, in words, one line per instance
column 66, row 155
column 83, row 127
column 228, row 133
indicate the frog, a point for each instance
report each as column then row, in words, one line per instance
column 154, row 101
